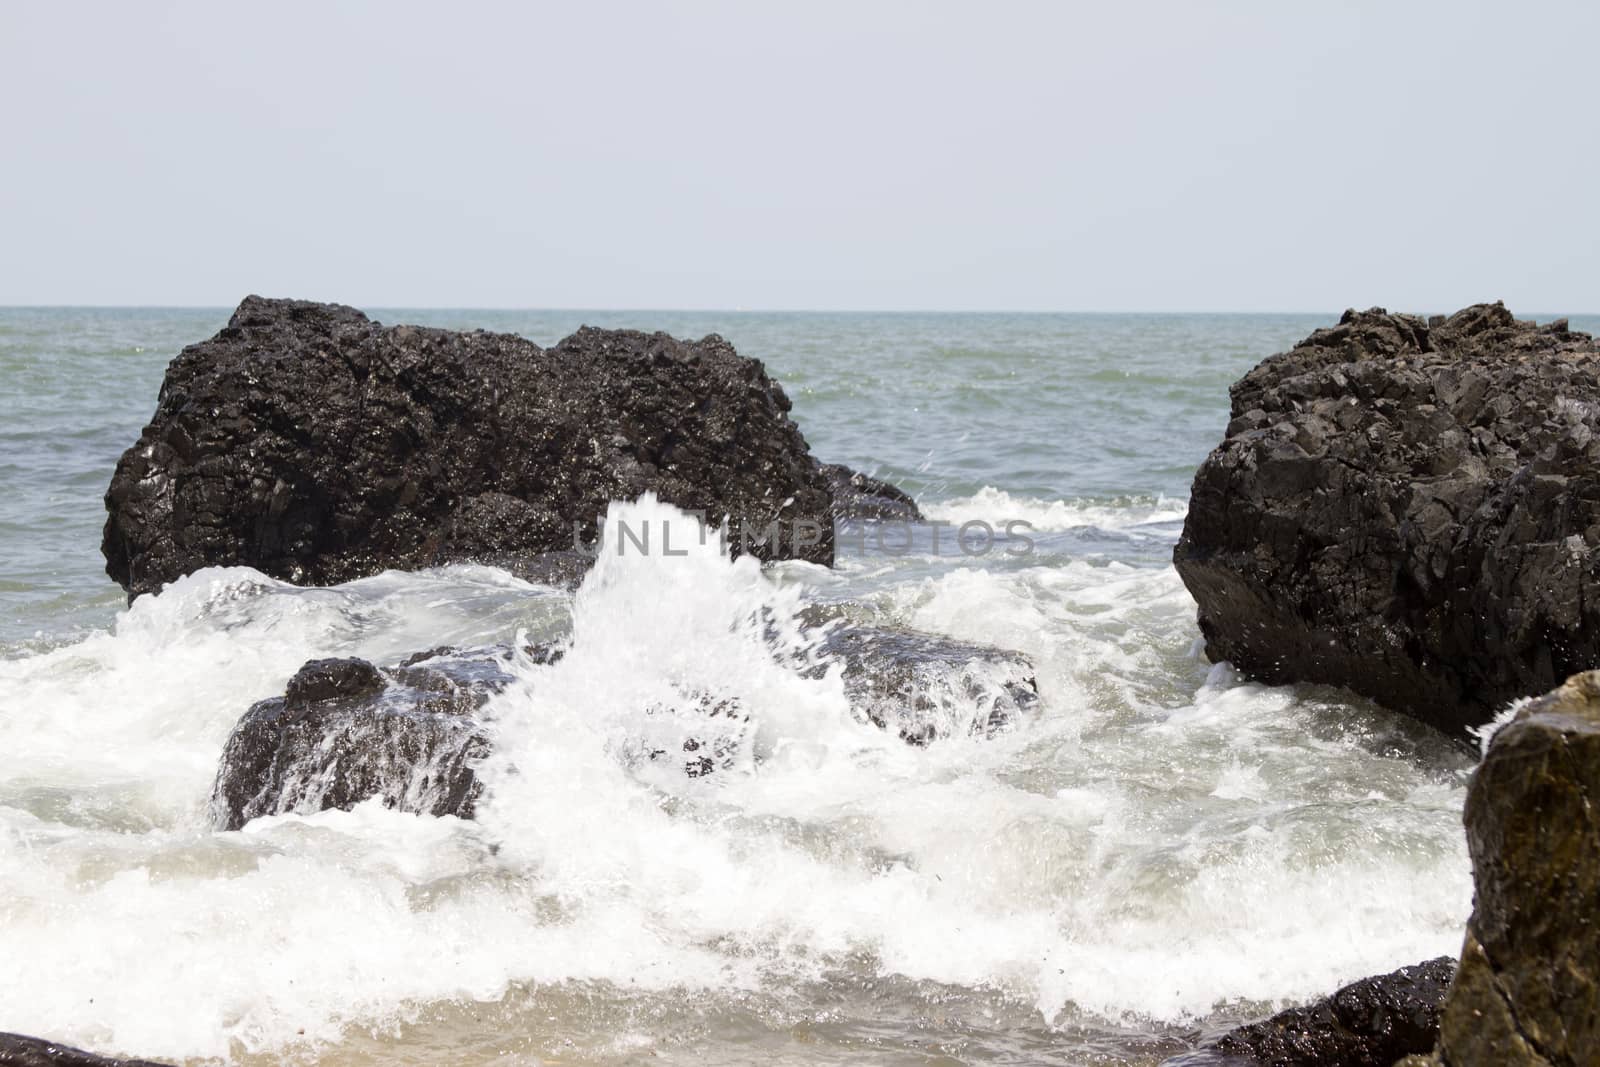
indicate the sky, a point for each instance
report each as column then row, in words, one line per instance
column 886, row 156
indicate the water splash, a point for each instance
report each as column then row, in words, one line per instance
column 1160, row 839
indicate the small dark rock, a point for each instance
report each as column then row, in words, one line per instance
column 345, row 731
column 925, row 686
column 331, row 679
column 1370, row 1023
column 19, row 1051
column 859, row 496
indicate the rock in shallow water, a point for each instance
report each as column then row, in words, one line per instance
column 318, row 446
column 925, row 688
column 1409, row 509
column 346, row 731
column 1528, row 992
column 860, row 496
column 1370, row 1023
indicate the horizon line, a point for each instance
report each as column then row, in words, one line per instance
column 750, row 311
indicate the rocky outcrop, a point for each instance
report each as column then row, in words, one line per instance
column 1410, row 509
column 1528, row 991
column 346, row 730
column 1370, row 1023
column 318, row 446
column 860, row 496
column 19, row 1051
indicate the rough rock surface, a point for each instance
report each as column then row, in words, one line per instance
column 860, row 496
column 564, row 569
column 1370, row 1023
column 17, row 1050
column 346, row 730
column 926, row 687
column 1528, row 992
column 318, row 446
column 1410, row 509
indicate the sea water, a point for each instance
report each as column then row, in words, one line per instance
column 1160, row 849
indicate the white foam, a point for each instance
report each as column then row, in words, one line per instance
column 183, row 945
column 1160, row 840
column 997, row 507
column 143, row 710
column 1485, row 733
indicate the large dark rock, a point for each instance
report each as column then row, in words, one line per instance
column 346, row 731
column 19, row 1051
column 1528, row 991
column 1370, row 1023
column 318, row 446
column 1409, row 509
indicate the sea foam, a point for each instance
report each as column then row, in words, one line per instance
column 1161, row 840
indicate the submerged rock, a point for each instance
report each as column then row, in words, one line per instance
column 1409, row 509
column 564, row 570
column 925, row 687
column 860, row 496
column 1528, row 991
column 346, row 730
column 16, row 1050
column 1370, row 1023
column 318, row 446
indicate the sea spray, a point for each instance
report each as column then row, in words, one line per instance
column 998, row 507
column 1155, row 842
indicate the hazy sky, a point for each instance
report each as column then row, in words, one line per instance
column 1102, row 156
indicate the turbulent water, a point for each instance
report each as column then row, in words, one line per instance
column 1159, row 850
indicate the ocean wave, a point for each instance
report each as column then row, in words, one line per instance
column 1153, row 818
column 996, row 507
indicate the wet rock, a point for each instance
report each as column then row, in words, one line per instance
column 1528, row 991
column 318, row 446
column 859, row 496
column 564, row 570
column 1410, row 510
column 19, row 1051
column 325, row 680
column 1370, row 1023
column 921, row 687
column 346, row 730
column 924, row 686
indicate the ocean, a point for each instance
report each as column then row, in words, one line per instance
column 1164, row 849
